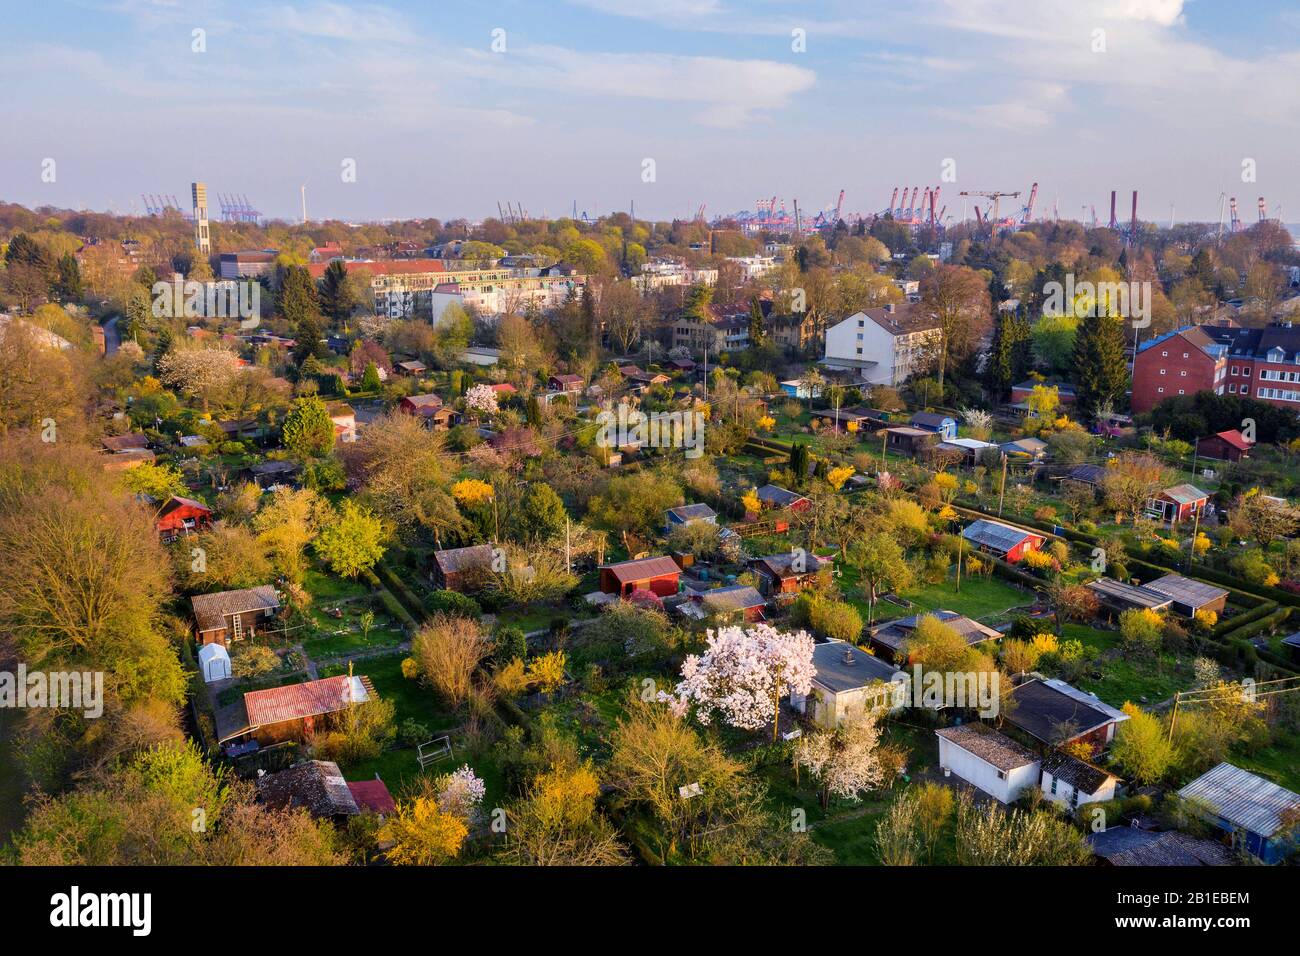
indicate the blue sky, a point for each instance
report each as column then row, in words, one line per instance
column 1165, row 96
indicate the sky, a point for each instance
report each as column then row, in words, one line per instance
column 413, row 109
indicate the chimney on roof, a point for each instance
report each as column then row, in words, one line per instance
column 849, row 659
column 890, row 308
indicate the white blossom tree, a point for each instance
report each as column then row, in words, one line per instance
column 745, row 672
column 482, row 399
column 198, row 372
column 846, row 760
column 460, row 793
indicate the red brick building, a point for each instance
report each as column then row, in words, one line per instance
column 1182, row 362
column 1263, row 364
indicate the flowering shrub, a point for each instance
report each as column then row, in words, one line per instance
column 460, row 793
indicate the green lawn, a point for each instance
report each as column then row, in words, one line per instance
column 413, row 699
column 982, row 599
column 326, row 587
column 398, row 768
column 334, row 645
column 1279, row 763
column 1128, row 680
column 848, row 827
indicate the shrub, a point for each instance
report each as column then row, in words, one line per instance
column 412, row 733
column 508, row 644
column 1141, row 632
column 835, row 619
column 253, row 660
column 453, row 603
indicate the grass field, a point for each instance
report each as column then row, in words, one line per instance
column 982, row 599
column 1139, row 681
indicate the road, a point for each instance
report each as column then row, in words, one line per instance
column 112, row 339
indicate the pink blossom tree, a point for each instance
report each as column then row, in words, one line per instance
column 745, row 672
column 482, row 399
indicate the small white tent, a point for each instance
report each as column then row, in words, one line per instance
column 214, row 662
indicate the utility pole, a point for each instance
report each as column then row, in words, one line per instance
column 1002, row 488
column 1173, row 715
column 1196, row 529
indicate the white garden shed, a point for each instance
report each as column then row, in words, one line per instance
column 214, row 662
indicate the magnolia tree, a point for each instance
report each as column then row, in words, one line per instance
column 482, row 399
column 745, row 672
column 460, row 793
column 846, row 760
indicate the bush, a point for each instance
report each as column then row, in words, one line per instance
column 412, row 733
column 454, row 604
column 836, row 620
column 508, row 644
column 1141, row 632
column 253, row 660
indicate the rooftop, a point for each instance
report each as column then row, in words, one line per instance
column 1194, row 594
column 1119, row 593
column 310, row 699
column 1129, row 846
column 989, row 745
column 995, row 534
column 315, row 785
column 211, row 610
column 1242, row 798
column 1186, row 494
column 1052, row 711
column 841, row 667
column 454, row 560
column 1077, row 773
column 642, row 569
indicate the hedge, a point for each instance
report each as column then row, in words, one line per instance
column 390, row 603
column 398, row 587
column 1251, row 628
column 1230, row 624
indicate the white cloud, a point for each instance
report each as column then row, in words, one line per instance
column 1164, row 12
column 725, row 92
column 334, row 21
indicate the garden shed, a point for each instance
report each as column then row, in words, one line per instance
column 214, row 662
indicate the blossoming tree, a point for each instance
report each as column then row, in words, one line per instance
column 482, row 399
column 745, row 672
column 460, row 793
column 846, row 760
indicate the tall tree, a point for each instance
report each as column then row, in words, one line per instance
column 1100, row 365
column 1009, row 358
column 337, row 295
column 958, row 299
column 299, row 307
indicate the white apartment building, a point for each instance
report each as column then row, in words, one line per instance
column 406, row 287
column 665, row 273
column 885, row 345
column 754, row 267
